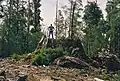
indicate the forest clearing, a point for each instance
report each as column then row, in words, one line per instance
column 81, row 44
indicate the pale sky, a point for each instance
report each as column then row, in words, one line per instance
column 49, row 9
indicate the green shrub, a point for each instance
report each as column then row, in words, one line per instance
column 17, row 57
column 55, row 53
column 46, row 56
column 117, row 76
column 41, row 59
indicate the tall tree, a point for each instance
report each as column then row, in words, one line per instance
column 73, row 20
column 113, row 14
column 60, row 25
column 17, row 18
column 37, row 11
column 92, row 16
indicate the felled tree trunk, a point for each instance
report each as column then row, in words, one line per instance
column 70, row 62
column 42, row 43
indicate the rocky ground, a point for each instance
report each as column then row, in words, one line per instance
column 11, row 70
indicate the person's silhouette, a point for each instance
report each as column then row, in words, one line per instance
column 51, row 29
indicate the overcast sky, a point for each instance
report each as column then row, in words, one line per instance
column 49, row 9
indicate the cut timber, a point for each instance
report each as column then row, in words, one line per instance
column 97, row 79
column 70, row 62
column 42, row 43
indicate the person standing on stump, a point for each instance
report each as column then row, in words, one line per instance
column 51, row 29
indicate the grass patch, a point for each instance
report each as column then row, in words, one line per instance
column 17, row 57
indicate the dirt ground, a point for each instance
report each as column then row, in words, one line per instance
column 46, row 73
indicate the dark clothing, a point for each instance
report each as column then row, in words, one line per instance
column 50, row 33
column 51, row 29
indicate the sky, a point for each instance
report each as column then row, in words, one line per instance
column 49, row 9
